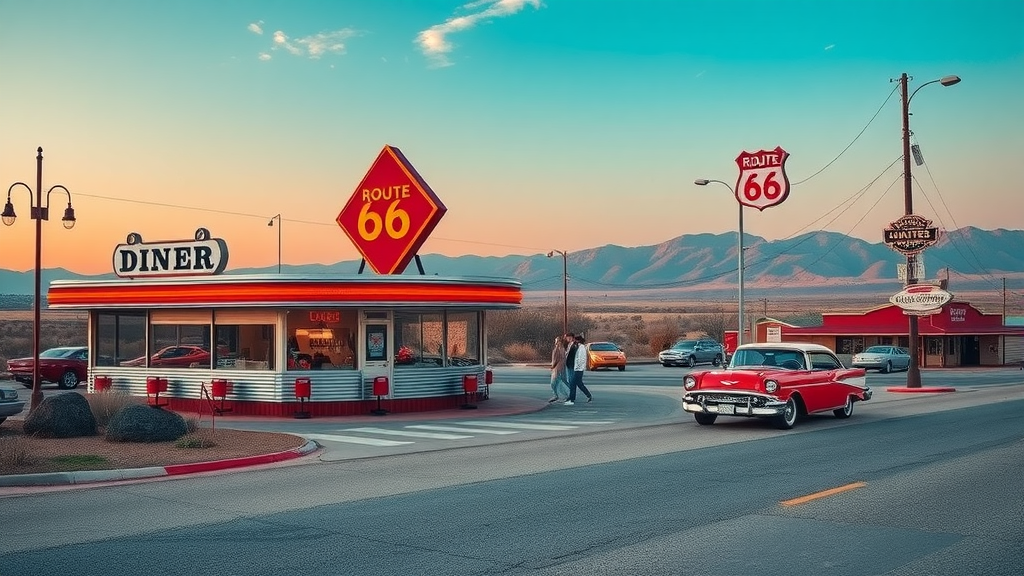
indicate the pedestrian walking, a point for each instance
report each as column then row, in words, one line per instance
column 558, row 380
column 577, row 358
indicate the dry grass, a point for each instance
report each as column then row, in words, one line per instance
column 21, row 454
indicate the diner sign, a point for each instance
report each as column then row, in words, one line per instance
column 391, row 213
column 921, row 298
column 203, row 256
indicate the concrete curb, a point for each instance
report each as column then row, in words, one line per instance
column 90, row 476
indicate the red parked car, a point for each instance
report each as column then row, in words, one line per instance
column 779, row 381
column 66, row 366
column 184, row 356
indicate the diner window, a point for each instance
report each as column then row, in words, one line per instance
column 934, row 346
column 120, row 337
column 245, row 346
column 463, row 329
column 322, row 339
column 419, row 340
column 179, row 346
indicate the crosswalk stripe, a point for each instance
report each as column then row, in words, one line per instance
column 524, row 425
column 355, row 440
column 457, row 429
column 573, row 422
column 410, row 433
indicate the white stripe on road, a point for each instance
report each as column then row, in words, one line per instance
column 523, row 425
column 467, row 430
column 412, row 434
column 574, row 422
column 354, row 440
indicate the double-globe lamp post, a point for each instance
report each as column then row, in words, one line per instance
column 914, row 371
column 39, row 212
column 565, row 288
column 739, row 250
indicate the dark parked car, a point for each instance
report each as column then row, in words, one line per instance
column 66, row 366
column 9, row 403
column 692, row 352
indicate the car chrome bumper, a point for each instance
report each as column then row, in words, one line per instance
column 773, row 407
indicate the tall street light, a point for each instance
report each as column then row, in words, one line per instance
column 40, row 212
column 739, row 250
column 565, row 288
column 271, row 223
column 914, row 371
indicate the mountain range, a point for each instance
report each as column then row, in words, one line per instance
column 702, row 265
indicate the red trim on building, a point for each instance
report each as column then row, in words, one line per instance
column 227, row 291
column 953, row 319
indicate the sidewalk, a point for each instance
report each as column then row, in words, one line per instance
column 494, row 406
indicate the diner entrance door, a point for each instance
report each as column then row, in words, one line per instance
column 376, row 349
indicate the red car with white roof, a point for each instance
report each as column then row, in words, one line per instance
column 779, row 381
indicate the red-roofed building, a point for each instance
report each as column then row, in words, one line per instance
column 957, row 335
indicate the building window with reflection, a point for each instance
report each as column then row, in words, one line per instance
column 419, row 340
column 245, row 346
column 432, row 340
column 120, row 337
column 177, row 346
column 320, row 339
column 463, row 337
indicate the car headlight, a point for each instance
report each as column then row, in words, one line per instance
column 770, row 386
column 689, row 382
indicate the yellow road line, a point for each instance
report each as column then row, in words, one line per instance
column 823, row 494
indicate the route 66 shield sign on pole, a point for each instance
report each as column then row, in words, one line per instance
column 763, row 181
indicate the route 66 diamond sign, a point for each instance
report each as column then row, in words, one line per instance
column 763, row 181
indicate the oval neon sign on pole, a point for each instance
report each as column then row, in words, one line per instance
column 921, row 298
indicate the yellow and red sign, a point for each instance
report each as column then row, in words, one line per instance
column 391, row 213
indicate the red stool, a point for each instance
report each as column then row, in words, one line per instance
column 154, row 386
column 220, row 389
column 380, row 388
column 101, row 383
column 469, row 387
column 303, row 391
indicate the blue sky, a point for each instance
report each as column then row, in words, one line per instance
column 557, row 124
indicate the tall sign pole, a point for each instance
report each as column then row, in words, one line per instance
column 914, row 371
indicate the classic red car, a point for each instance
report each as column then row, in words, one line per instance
column 66, row 365
column 780, row 381
column 185, row 356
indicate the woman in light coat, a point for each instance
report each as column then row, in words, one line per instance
column 558, row 382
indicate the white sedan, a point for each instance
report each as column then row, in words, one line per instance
column 885, row 359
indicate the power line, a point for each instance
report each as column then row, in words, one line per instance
column 887, row 98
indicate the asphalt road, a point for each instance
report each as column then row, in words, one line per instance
column 934, row 487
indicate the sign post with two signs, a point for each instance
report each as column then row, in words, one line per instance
column 391, row 213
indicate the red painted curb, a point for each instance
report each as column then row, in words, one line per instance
column 924, row 389
column 177, row 469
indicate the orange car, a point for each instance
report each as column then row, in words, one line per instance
column 605, row 355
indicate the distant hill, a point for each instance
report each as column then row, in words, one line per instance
column 700, row 264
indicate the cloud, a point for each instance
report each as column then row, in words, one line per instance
column 256, row 27
column 434, row 42
column 312, row 47
column 830, row 46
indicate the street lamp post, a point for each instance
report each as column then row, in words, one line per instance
column 565, row 288
column 914, row 371
column 739, row 250
column 271, row 223
column 39, row 212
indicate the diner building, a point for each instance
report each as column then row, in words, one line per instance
column 261, row 334
column 957, row 334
